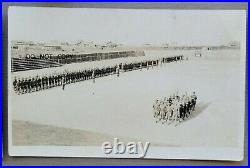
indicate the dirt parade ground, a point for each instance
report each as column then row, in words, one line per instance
column 89, row 113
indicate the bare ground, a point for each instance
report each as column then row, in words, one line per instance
column 27, row 134
column 122, row 106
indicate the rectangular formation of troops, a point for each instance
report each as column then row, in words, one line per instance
column 175, row 108
column 37, row 83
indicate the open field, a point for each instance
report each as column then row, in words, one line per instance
column 122, row 106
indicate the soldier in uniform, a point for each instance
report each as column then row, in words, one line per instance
column 118, row 71
column 140, row 66
column 93, row 76
column 162, row 111
column 155, row 106
column 168, row 112
column 181, row 109
column 147, row 65
column 176, row 112
column 15, row 84
column 63, row 82
column 193, row 100
column 18, row 86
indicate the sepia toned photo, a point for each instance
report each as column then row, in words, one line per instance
column 126, row 83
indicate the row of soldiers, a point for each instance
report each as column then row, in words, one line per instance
column 175, row 108
column 37, row 83
column 31, row 84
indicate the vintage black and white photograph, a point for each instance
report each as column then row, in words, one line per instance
column 126, row 83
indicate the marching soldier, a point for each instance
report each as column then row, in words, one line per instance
column 93, row 76
column 117, row 71
column 15, row 84
column 63, row 82
column 193, row 100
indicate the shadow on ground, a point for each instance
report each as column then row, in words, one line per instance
column 200, row 107
column 25, row 133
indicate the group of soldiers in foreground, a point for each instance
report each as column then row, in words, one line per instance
column 32, row 84
column 175, row 108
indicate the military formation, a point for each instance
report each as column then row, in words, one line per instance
column 37, row 83
column 174, row 109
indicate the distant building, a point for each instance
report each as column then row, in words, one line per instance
column 52, row 47
column 21, row 45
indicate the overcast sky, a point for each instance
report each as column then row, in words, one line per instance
column 126, row 26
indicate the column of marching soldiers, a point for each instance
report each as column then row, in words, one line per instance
column 174, row 109
column 32, row 84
